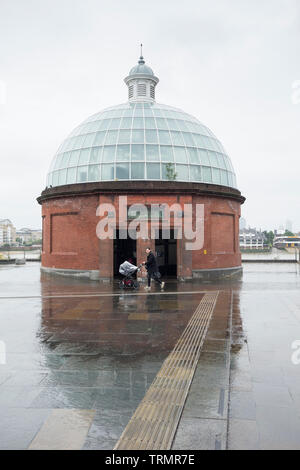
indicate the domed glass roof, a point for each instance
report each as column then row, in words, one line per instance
column 141, row 141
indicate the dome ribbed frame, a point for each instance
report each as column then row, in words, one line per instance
column 141, row 141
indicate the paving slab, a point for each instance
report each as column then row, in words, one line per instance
column 201, row 434
column 63, row 430
column 243, row 435
column 21, row 426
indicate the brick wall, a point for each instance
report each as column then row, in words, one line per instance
column 70, row 240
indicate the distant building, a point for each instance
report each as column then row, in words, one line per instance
column 7, row 232
column 27, row 235
column 289, row 225
column 286, row 241
column 251, row 238
column 280, row 230
column 242, row 223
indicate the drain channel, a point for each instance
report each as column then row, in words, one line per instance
column 154, row 423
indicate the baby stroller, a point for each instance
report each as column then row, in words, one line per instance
column 128, row 270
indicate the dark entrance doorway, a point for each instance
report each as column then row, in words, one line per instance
column 124, row 250
column 166, row 252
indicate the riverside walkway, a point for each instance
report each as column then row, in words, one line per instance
column 83, row 365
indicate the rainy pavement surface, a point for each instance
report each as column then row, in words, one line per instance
column 77, row 357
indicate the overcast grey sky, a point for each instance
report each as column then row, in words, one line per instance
column 230, row 63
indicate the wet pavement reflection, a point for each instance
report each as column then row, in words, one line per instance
column 79, row 345
column 70, row 345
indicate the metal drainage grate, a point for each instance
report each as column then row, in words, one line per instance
column 154, row 423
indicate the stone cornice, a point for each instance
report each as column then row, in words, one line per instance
column 140, row 187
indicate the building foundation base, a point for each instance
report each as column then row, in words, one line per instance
column 91, row 274
column 217, row 273
column 198, row 274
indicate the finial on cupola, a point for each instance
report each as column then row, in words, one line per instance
column 141, row 61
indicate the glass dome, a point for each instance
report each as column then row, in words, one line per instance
column 141, row 141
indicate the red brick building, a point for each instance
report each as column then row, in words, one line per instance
column 153, row 154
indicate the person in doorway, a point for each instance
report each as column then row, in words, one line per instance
column 152, row 270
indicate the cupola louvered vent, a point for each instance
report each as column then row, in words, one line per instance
column 130, row 91
column 141, row 89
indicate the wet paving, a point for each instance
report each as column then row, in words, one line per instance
column 82, row 352
column 264, row 411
